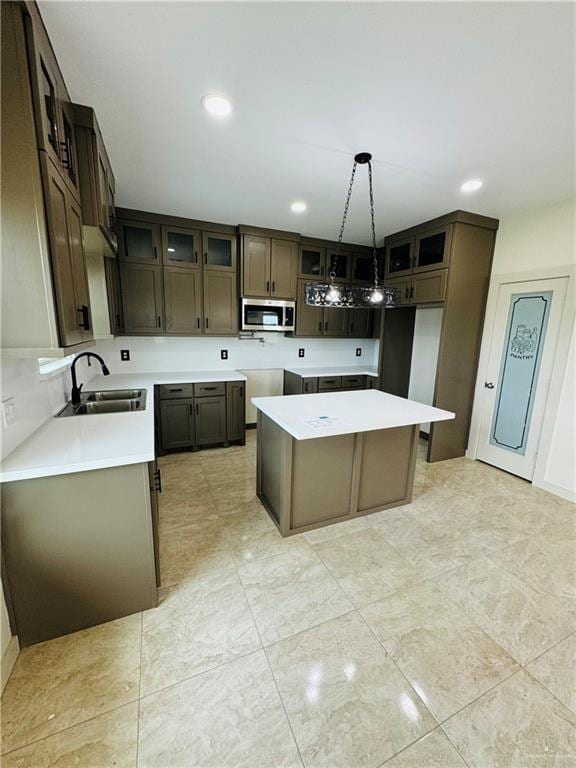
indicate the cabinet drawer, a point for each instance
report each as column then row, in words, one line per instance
column 353, row 382
column 329, row 382
column 175, row 391
column 309, row 386
column 210, row 390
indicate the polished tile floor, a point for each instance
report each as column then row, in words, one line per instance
column 435, row 635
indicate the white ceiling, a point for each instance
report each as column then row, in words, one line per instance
column 438, row 92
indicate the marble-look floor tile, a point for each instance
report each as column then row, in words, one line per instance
column 344, row 528
column 445, row 656
column 546, row 562
column 192, row 551
column 228, row 717
column 347, row 702
column 556, row 670
column 366, row 566
column 523, row 621
column 177, row 515
column 71, row 679
column 253, row 536
column 231, row 506
column 197, row 626
column 107, row 740
column 517, row 724
column 433, row 751
column 291, row 592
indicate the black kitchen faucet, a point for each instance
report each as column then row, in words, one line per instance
column 75, row 388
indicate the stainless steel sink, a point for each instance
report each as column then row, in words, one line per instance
column 112, row 394
column 90, row 406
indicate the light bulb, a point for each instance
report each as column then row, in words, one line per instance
column 376, row 296
column 218, row 106
column 333, row 295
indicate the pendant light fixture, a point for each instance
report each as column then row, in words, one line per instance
column 332, row 294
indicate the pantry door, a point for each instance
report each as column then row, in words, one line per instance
column 524, row 342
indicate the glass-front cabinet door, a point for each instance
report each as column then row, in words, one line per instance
column 363, row 269
column 181, row 247
column 139, row 242
column 340, row 262
column 399, row 258
column 311, row 262
column 219, row 251
column 432, row 249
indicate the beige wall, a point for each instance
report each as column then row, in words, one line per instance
column 535, row 244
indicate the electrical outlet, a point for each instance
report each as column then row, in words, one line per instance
column 301, row 352
column 223, row 354
column 358, row 351
column 125, row 355
column 9, row 411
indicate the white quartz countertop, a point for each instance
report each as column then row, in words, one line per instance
column 338, row 370
column 81, row 443
column 341, row 413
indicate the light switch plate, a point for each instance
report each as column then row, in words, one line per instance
column 223, row 354
column 301, row 352
column 358, row 351
column 125, row 355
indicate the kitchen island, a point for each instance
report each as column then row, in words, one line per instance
column 325, row 458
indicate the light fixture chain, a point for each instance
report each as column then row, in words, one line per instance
column 345, row 215
column 374, row 254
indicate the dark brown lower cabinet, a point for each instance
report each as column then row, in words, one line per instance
column 177, row 423
column 210, row 417
column 220, row 303
column 299, row 385
column 155, row 488
column 215, row 414
column 309, row 386
column 142, row 298
column 183, row 300
column 235, row 411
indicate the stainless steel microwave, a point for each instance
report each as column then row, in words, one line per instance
column 268, row 315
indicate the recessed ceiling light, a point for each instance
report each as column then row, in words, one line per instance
column 472, row 185
column 298, row 207
column 217, row 105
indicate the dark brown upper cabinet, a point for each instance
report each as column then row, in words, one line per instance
column 256, row 266
column 139, row 242
column 284, row 265
column 112, row 274
column 429, row 287
column 309, row 320
column 95, row 177
column 53, row 109
column 219, row 251
column 67, row 257
column 142, row 300
column 360, row 323
column 432, row 249
column 269, row 267
column 400, row 258
column 336, row 322
column 403, row 285
column 341, row 263
column 362, row 269
column 183, row 300
column 181, row 247
column 220, row 303
column 312, row 262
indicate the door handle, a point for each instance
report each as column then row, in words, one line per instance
column 488, row 385
column 198, row 321
column 85, row 322
column 273, row 286
column 267, row 286
column 197, row 413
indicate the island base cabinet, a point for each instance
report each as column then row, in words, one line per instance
column 78, row 550
column 306, row 484
column 236, row 411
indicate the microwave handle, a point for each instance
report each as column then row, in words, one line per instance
column 288, row 317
